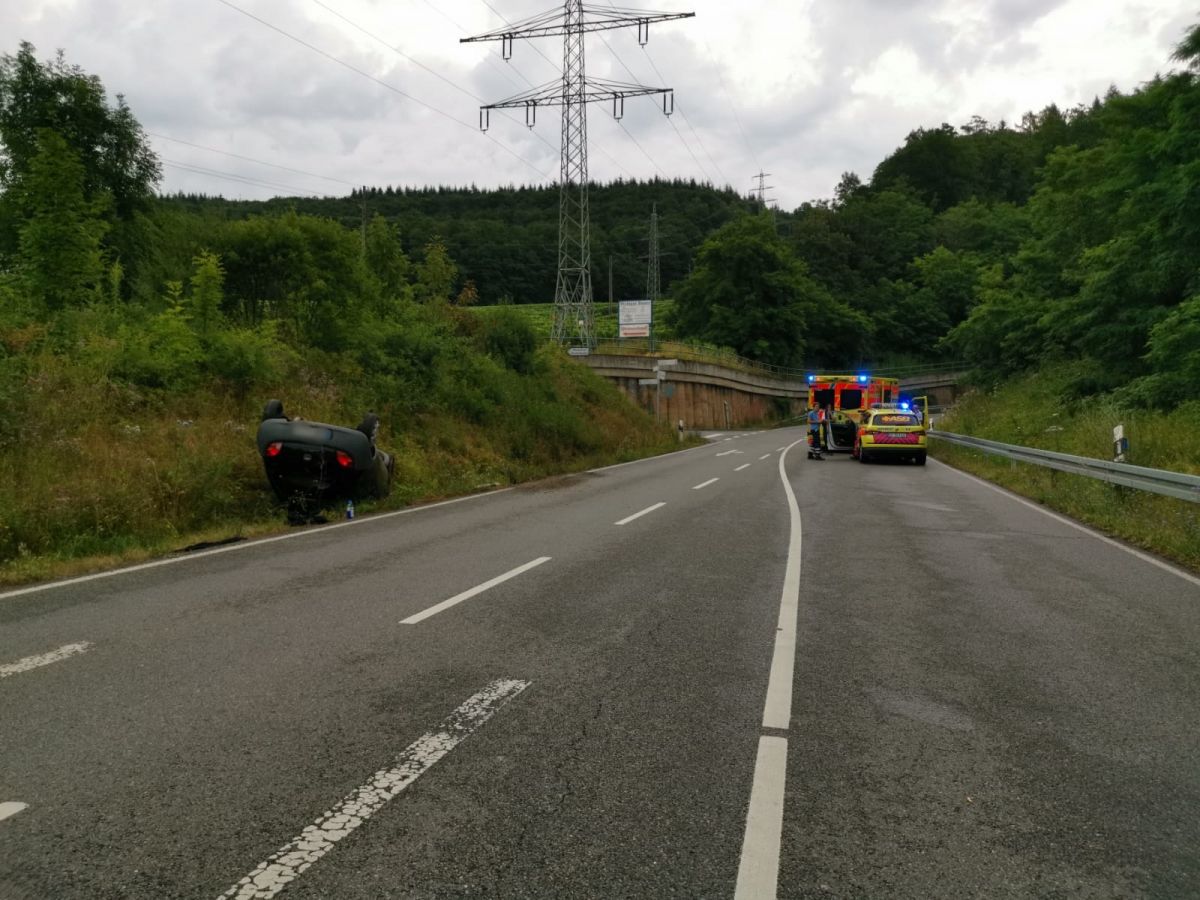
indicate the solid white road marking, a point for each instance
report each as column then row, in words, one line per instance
column 758, row 871
column 11, row 808
column 780, row 449
column 1145, row 557
column 638, row 515
column 728, row 452
column 711, row 436
column 764, row 456
column 231, row 548
column 704, row 484
column 467, row 595
column 291, row 860
column 34, row 662
column 777, row 712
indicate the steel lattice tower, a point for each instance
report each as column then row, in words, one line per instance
column 573, row 309
column 652, row 278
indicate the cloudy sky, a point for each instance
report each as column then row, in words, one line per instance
column 386, row 94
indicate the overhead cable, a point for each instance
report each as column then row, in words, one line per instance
column 384, row 84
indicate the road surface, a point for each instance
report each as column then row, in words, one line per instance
column 726, row 672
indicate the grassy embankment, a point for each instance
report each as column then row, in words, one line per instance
column 96, row 471
column 1031, row 411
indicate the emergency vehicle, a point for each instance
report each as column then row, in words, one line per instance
column 849, row 399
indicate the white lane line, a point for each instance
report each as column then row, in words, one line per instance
column 764, row 456
column 35, row 662
column 758, row 871
column 728, row 452
column 231, row 548
column 11, row 808
column 1145, row 557
column 711, row 436
column 742, row 466
column 777, row 711
column 704, row 484
column 291, row 860
column 467, row 595
column 780, row 449
column 638, row 515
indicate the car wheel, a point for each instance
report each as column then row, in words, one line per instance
column 920, row 459
column 273, row 410
column 369, row 426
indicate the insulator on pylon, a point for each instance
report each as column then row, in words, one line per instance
column 530, row 113
column 618, row 106
column 669, row 95
column 485, row 119
column 506, row 47
column 643, row 26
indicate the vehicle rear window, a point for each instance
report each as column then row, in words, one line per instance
column 851, row 398
column 894, row 419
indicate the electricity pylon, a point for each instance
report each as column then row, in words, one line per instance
column 762, row 188
column 573, row 312
column 652, row 271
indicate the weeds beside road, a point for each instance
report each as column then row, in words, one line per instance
column 1032, row 412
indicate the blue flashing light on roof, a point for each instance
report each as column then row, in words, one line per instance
column 812, row 377
column 862, row 379
column 904, row 406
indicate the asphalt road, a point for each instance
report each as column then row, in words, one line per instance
column 909, row 685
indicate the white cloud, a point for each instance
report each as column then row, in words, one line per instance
column 805, row 90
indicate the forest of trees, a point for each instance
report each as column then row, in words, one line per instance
column 1070, row 235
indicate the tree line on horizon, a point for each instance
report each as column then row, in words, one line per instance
column 1070, row 235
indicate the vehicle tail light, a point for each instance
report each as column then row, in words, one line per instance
column 274, row 449
column 345, row 460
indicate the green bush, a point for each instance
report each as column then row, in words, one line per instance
column 507, row 337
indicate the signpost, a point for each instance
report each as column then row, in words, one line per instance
column 635, row 318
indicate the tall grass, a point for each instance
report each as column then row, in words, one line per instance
column 1039, row 411
column 95, row 469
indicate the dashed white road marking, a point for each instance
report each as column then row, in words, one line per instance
column 704, row 484
column 728, row 452
column 638, row 515
column 742, row 466
column 45, row 659
column 780, row 449
column 11, row 808
column 291, row 860
column 758, row 872
column 467, row 595
column 711, row 436
column 764, row 456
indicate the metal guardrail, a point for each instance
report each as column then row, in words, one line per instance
column 1157, row 481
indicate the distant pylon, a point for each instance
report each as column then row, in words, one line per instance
column 762, row 188
column 573, row 308
column 652, row 284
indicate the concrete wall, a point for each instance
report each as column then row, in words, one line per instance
column 702, row 394
column 705, row 395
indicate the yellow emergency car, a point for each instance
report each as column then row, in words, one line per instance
column 893, row 432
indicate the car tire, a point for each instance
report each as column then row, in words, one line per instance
column 273, row 410
column 919, row 459
column 369, row 426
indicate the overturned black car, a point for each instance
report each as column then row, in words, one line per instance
column 311, row 464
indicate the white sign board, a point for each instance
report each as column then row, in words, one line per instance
column 578, row 351
column 635, row 331
column 635, row 312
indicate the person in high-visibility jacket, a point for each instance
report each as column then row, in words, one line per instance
column 816, row 427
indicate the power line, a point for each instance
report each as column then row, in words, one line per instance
column 418, row 63
column 733, row 107
column 687, row 122
column 260, row 162
column 384, row 84
column 537, row 50
column 231, row 176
